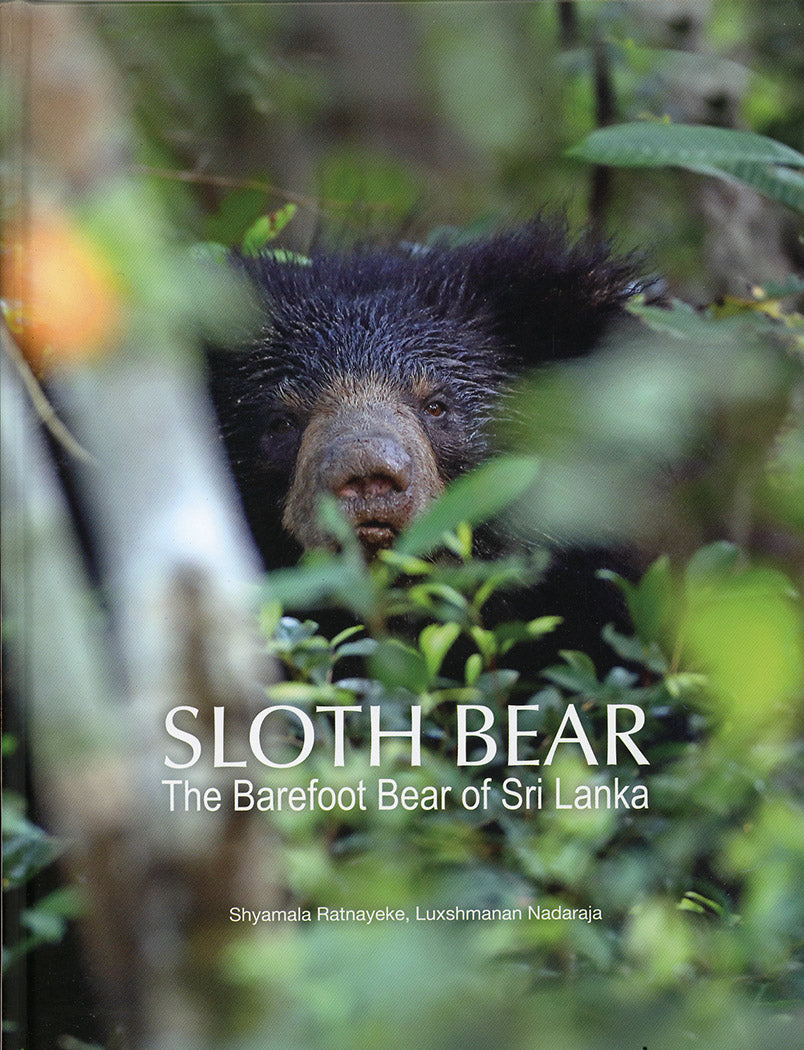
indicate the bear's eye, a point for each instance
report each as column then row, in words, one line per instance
column 280, row 423
column 436, row 408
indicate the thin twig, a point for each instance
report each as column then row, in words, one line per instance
column 40, row 401
column 233, row 182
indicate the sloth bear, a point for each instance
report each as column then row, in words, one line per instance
column 378, row 377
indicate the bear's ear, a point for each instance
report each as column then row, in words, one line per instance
column 545, row 298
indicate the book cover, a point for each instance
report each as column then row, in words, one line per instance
column 402, row 537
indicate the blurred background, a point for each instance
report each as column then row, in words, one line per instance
column 384, row 121
column 135, row 139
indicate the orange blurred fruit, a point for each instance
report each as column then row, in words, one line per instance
column 61, row 299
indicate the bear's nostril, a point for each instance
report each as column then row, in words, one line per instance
column 368, row 466
column 372, row 487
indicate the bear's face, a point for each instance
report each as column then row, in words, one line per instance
column 376, row 401
column 377, row 378
column 367, row 441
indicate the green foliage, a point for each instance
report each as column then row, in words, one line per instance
column 381, row 192
column 219, row 90
column 27, row 851
column 266, row 228
column 169, row 295
column 471, row 500
column 237, row 213
column 774, row 169
column 684, row 893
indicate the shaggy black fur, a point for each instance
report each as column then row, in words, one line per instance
column 469, row 320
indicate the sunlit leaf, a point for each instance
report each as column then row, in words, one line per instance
column 266, row 228
column 435, row 641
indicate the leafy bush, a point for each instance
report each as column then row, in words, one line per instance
column 697, row 891
column 27, row 851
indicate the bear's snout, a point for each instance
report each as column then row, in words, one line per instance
column 374, row 457
column 366, row 466
column 371, row 475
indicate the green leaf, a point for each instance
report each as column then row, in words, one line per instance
column 789, row 285
column 683, row 321
column 635, row 651
column 238, row 211
column 362, row 647
column 26, row 848
column 43, row 926
column 302, row 693
column 323, row 578
column 651, row 144
column 509, row 634
column 284, row 255
column 717, row 560
column 346, row 633
column 653, row 602
column 473, row 499
column 47, row 919
column 486, row 643
column 579, row 674
column 496, row 685
column 696, row 902
column 404, row 563
column 266, row 228
column 435, row 641
column 440, row 600
column 770, row 167
column 396, row 664
column 460, row 541
column 473, row 668
column 685, row 684
column 67, row 902
column 292, row 632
